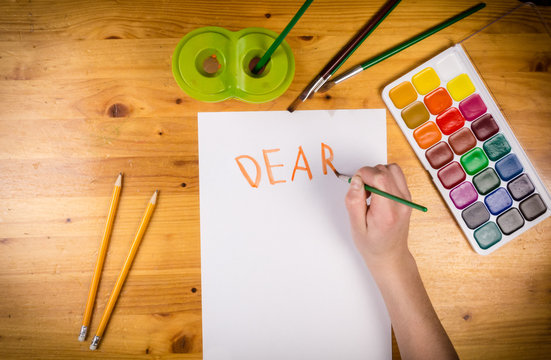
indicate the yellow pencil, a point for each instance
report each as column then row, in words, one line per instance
column 101, row 258
column 124, row 272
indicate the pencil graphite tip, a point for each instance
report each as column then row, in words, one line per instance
column 119, row 180
column 154, row 197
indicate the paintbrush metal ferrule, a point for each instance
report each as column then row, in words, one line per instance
column 348, row 74
column 83, row 332
column 312, row 88
column 335, row 63
column 322, row 81
column 95, row 342
column 307, row 92
column 404, row 45
column 327, row 86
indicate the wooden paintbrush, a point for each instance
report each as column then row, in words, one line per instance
column 339, row 59
column 385, row 55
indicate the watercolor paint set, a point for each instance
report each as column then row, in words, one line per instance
column 463, row 140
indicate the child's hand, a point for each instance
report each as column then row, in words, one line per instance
column 379, row 230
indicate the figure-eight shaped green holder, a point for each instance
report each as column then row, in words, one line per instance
column 213, row 64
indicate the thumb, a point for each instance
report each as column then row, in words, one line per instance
column 356, row 205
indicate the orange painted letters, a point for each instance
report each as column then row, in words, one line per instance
column 269, row 166
column 307, row 167
column 244, row 172
column 327, row 156
column 326, row 160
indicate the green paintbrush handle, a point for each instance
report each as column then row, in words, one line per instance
column 392, row 197
column 424, row 35
column 268, row 54
column 365, row 37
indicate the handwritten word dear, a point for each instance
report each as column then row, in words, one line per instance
column 326, row 159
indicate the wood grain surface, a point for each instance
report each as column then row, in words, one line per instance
column 86, row 92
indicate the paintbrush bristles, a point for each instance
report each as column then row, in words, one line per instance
column 341, row 176
column 345, row 178
column 306, row 94
column 294, row 105
column 327, row 86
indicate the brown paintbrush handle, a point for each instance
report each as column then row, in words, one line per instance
column 343, row 54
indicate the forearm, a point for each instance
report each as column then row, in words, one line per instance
column 380, row 232
column 418, row 330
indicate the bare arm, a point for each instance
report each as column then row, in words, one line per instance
column 380, row 233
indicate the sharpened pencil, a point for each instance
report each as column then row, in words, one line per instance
column 124, row 272
column 101, row 258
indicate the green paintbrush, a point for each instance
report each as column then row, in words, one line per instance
column 268, row 54
column 377, row 59
column 383, row 194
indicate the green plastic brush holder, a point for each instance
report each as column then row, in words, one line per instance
column 233, row 52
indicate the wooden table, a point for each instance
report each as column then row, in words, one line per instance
column 86, row 92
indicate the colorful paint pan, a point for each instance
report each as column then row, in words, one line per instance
column 463, row 140
column 484, row 127
column 510, row 221
column 486, row 181
column 403, row 95
column 450, row 121
column 427, row 135
column 533, row 207
column 425, row 80
column 415, row 114
column 474, row 161
column 437, row 101
column 475, row 215
column 451, row 175
column 439, row 155
column 498, row 201
column 472, row 107
column 487, row 235
column 496, row 147
column 460, row 87
column 521, row 187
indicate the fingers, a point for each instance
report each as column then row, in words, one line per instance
column 371, row 175
column 387, row 178
column 356, row 206
column 400, row 180
column 379, row 177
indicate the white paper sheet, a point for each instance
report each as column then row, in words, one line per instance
column 281, row 278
